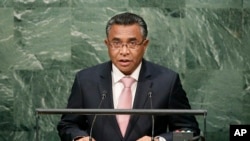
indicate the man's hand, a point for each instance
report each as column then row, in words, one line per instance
column 146, row 138
column 85, row 139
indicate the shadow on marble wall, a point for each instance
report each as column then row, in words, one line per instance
column 44, row 43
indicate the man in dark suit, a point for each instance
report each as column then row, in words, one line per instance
column 126, row 42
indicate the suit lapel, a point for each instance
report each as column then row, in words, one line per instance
column 144, row 86
column 141, row 96
column 105, row 85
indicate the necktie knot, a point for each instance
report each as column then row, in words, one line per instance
column 127, row 81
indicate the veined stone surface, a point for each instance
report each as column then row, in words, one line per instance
column 43, row 43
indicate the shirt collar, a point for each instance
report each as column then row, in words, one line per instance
column 118, row 75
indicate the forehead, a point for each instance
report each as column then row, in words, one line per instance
column 125, row 31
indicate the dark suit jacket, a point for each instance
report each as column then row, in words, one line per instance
column 89, row 84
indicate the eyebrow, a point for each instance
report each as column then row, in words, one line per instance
column 129, row 39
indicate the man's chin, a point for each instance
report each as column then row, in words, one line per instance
column 126, row 71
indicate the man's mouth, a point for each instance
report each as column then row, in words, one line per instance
column 124, row 62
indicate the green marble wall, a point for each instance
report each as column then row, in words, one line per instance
column 44, row 42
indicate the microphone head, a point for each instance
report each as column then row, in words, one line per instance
column 104, row 93
column 150, row 93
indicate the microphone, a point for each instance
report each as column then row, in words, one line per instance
column 153, row 119
column 104, row 93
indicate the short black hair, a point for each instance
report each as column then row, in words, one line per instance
column 127, row 18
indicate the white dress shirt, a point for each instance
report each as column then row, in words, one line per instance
column 117, row 86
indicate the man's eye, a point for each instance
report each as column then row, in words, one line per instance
column 132, row 43
column 116, row 43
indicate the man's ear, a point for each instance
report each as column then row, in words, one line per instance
column 145, row 43
column 106, row 42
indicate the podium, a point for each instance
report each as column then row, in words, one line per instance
column 199, row 112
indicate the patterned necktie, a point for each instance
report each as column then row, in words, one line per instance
column 125, row 102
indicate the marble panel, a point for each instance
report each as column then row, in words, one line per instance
column 6, row 102
column 99, row 3
column 13, row 57
column 24, row 135
column 43, row 34
column 6, row 37
column 40, row 3
column 39, row 89
column 48, row 127
column 246, row 97
column 246, row 3
column 221, row 93
column 6, row 3
column 246, row 37
column 7, row 135
column 157, row 3
column 214, row 3
column 214, row 38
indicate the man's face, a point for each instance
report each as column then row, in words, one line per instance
column 132, row 47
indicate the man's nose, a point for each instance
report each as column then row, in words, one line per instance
column 124, row 49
